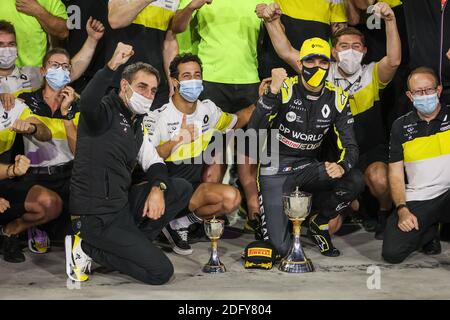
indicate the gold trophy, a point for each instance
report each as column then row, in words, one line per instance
column 297, row 206
column 214, row 230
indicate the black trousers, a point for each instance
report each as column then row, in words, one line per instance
column 123, row 240
column 230, row 98
column 398, row 245
column 330, row 196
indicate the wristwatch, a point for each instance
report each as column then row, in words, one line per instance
column 69, row 116
column 270, row 94
column 162, row 186
column 401, row 206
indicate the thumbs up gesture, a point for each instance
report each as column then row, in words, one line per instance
column 188, row 132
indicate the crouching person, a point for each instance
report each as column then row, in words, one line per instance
column 118, row 222
column 420, row 143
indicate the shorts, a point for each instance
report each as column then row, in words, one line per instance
column 380, row 153
column 231, row 98
column 15, row 192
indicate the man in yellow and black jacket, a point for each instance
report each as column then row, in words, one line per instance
column 303, row 109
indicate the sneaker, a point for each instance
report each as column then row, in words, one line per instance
column 11, row 250
column 77, row 262
column 38, row 241
column 178, row 240
column 433, row 247
column 320, row 235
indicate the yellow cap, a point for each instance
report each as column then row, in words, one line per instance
column 315, row 47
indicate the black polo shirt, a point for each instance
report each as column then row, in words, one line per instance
column 424, row 148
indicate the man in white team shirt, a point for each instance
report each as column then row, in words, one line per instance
column 181, row 131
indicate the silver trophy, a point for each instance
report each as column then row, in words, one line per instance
column 214, row 230
column 297, row 206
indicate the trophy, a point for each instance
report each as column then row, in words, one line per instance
column 214, row 230
column 296, row 206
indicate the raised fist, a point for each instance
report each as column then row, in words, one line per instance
column 278, row 77
column 95, row 29
column 121, row 55
column 268, row 12
column 384, row 11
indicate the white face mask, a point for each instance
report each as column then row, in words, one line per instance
column 139, row 104
column 350, row 61
column 8, row 57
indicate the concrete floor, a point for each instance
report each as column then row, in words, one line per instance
column 345, row 277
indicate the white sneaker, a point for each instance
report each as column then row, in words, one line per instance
column 77, row 262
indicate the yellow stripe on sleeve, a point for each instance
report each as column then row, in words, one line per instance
column 224, row 122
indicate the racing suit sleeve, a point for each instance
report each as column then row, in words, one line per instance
column 266, row 109
column 152, row 164
column 346, row 140
column 93, row 110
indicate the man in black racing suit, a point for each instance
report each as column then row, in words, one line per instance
column 303, row 109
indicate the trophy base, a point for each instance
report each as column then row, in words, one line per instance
column 214, row 269
column 296, row 266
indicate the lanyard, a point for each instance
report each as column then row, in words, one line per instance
column 350, row 84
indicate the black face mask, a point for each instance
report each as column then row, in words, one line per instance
column 315, row 76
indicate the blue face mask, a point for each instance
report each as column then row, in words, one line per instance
column 426, row 104
column 191, row 89
column 57, row 78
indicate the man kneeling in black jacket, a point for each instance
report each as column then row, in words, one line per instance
column 118, row 221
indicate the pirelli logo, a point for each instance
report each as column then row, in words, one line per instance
column 260, row 252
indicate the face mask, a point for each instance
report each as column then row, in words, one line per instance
column 315, row 77
column 426, row 104
column 139, row 104
column 350, row 61
column 8, row 57
column 57, row 78
column 191, row 89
